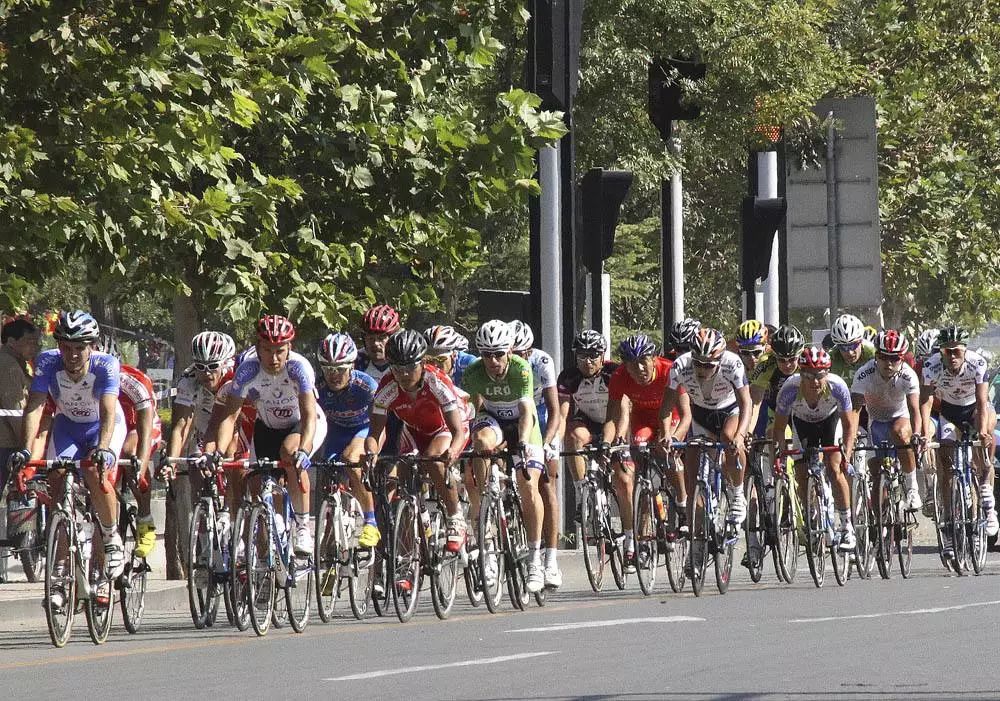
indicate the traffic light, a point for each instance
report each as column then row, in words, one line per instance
column 603, row 193
column 552, row 65
column 761, row 219
column 666, row 98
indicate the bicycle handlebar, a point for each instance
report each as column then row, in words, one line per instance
column 64, row 464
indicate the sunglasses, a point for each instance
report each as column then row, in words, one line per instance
column 344, row 367
column 818, row 375
column 493, row 355
column 953, row 351
column 888, row 358
column 787, row 358
column 589, row 356
column 849, row 346
column 405, row 368
column 752, row 352
column 438, row 359
column 208, row 367
column 705, row 364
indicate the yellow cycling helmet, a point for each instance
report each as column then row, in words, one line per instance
column 870, row 333
column 751, row 334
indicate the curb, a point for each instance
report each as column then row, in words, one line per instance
column 169, row 596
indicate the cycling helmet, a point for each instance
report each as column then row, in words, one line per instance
column 813, row 358
column 275, row 329
column 590, row 341
column 682, row 332
column 927, row 343
column 751, row 334
column 788, row 341
column 523, row 338
column 847, row 329
column 444, row 339
column 212, row 347
column 106, row 344
column 870, row 333
column 380, row 319
column 953, row 336
column 406, row 347
column 494, row 336
column 634, row 347
column 891, row 342
column 337, row 349
column 708, row 345
column 76, row 326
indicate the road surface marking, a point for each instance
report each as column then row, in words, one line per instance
column 429, row 667
column 605, row 624
column 884, row 614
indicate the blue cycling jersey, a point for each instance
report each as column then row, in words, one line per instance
column 462, row 361
column 348, row 408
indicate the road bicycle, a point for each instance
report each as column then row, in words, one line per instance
column 712, row 535
column 658, row 521
column 962, row 515
column 891, row 527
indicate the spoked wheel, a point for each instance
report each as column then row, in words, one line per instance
column 786, row 549
column 644, row 513
column 200, row 585
column 361, row 581
column 99, row 607
column 961, row 560
column 942, row 523
column 405, row 574
column 381, row 589
column 260, row 574
column 299, row 591
column 978, row 543
column 132, row 583
column 906, row 525
column 724, row 539
column 236, row 587
column 326, row 557
column 841, row 560
column 279, row 613
column 444, row 568
column 616, row 540
column 860, row 512
column 492, row 561
column 815, row 532
column 675, row 545
column 60, row 578
column 595, row 547
column 755, row 528
column 517, row 554
column 701, row 532
column 473, row 579
column 884, row 528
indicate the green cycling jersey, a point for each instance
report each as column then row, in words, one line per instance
column 504, row 398
column 845, row 370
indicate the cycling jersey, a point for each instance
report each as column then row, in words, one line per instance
column 835, row 397
column 504, row 398
column 275, row 396
column 462, row 361
column 136, row 394
column 421, row 411
column 369, row 367
column 645, row 399
column 348, row 407
column 587, row 396
column 768, row 377
column 845, row 370
column 245, row 423
column 885, row 399
column 543, row 373
column 201, row 399
column 718, row 391
column 958, row 389
column 79, row 401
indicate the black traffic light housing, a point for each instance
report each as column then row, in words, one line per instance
column 603, row 192
column 761, row 219
column 666, row 97
column 552, row 65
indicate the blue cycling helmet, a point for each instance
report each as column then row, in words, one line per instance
column 635, row 347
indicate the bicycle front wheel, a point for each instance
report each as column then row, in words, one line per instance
column 299, row 591
column 978, row 542
column 260, row 574
column 236, row 586
column 644, row 513
column 326, row 556
column 815, row 531
column 755, row 528
column 99, row 607
column 884, row 527
column 701, row 532
column 405, row 571
column 724, row 538
column 595, row 547
column 444, row 568
column 675, row 545
column 132, row 583
column 60, row 578
column 517, row 553
column 616, row 539
column 491, row 552
column 860, row 510
column 361, row 581
column 199, row 580
column 786, row 550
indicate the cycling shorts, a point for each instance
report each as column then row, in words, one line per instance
column 952, row 418
column 69, row 440
column 410, row 441
column 709, row 422
column 596, row 429
column 817, row 434
column 339, row 437
column 507, row 433
column 267, row 441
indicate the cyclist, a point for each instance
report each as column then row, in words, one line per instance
column 446, row 351
column 751, row 343
column 680, row 336
column 88, row 421
column 434, row 415
column 500, row 384
column 378, row 323
column 850, row 349
column 543, row 375
column 818, row 406
column 771, row 372
column 345, row 396
column 926, row 346
column 957, row 376
column 212, row 362
column 890, row 389
column 289, row 426
column 635, row 395
column 721, row 407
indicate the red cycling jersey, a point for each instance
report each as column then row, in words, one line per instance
column 136, row 393
column 422, row 411
column 645, row 399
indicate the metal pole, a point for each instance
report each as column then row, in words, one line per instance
column 550, row 250
column 672, row 245
column 767, row 188
column 605, row 328
column 832, row 233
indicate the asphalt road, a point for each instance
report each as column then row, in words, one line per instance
column 930, row 637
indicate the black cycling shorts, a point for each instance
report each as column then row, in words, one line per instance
column 819, row 434
column 712, row 420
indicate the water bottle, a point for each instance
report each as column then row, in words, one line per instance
column 222, row 526
column 425, row 519
column 85, row 535
column 661, row 509
column 279, row 524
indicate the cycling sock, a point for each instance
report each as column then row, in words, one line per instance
column 535, row 548
column 302, row 519
column 910, row 479
column 845, row 517
column 551, row 557
column 738, row 489
column 107, row 531
column 370, row 518
column 629, row 541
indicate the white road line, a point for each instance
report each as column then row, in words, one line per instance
column 425, row 668
column 604, row 624
column 884, row 614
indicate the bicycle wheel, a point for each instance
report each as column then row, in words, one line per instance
column 31, row 549
column 472, row 577
column 60, row 578
column 906, row 524
column 299, row 591
column 99, row 609
column 595, row 547
column 701, row 531
column 644, row 513
column 860, row 509
column 841, row 561
column 132, row 583
column 444, row 568
column 815, row 531
column 361, row 581
column 883, row 527
column 236, row 586
column 491, row 552
column 942, row 522
column 405, row 570
column 516, row 548
column 199, row 580
column 260, row 575
column 326, row 558
column 755, row 529
column 978, row 543
column 786, row 550
column 676, row 547
column 616, row 539
column 960, row 561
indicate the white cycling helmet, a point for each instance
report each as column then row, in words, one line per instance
column 494, row 336
column 847, row 329
column 927, row 343
column 524, row 339
column 212, row 347
column 337, row 349
column 76, row 326
column 444, row 339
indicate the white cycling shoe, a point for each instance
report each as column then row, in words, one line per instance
column 992, row 524
column 738, row 509
column 114, row 556
column 913, row 502
column 303, row 539
column 848, row 540
column 536, row 577
column 553, row 577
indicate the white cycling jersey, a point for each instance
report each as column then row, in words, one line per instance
column 718, row 391
column 955, row 388
column 543, row 371
column 276, row 397
column 885, row 399
column 836, row 397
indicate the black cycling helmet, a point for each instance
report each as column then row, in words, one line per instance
column 589, row 341
column 953, row 336
column 787, row 341
column 682, row 333
column 406, row 347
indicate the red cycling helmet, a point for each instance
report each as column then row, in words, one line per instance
column 275, row 329
column 891, row 342
column 380, row 319
column 813, row 358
